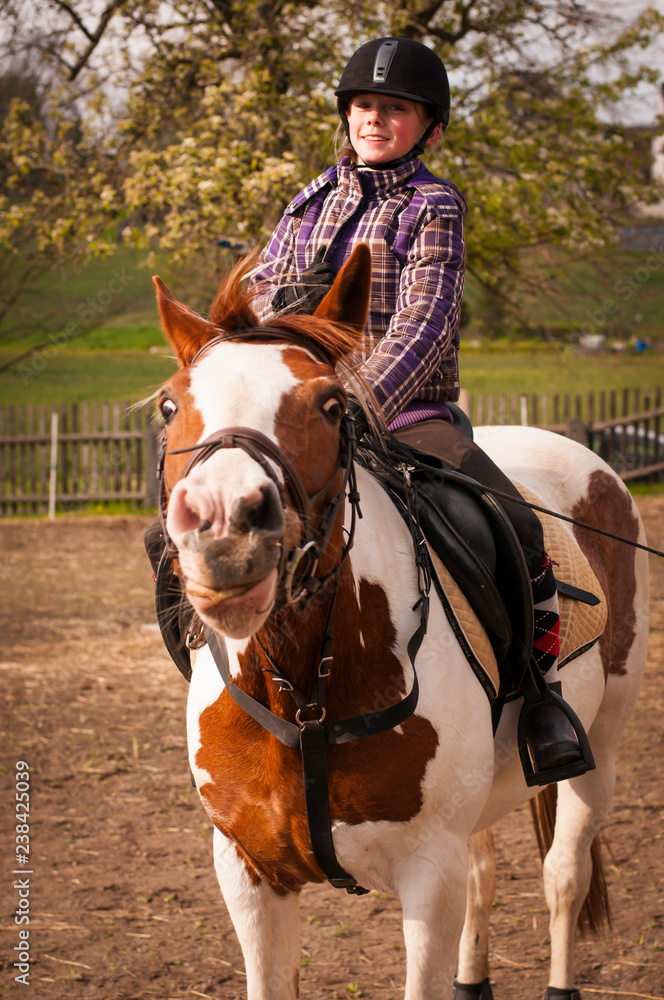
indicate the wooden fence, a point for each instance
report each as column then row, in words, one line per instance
column 625, row 426
column 84, row 453
column 94, row 453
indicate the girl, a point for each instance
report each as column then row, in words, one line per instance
column 394, row 101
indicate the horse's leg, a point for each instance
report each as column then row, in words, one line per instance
column 267, row 926
column 582, row 809
column 474, row 946
column 432, row 888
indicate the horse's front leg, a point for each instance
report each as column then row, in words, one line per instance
column 432, row 887
column 267, row 926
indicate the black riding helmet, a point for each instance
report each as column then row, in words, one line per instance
column 398, row 67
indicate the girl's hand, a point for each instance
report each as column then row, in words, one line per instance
column 308, row 293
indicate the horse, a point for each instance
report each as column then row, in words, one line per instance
column 261, row 509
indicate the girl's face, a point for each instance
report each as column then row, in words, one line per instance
column 383, row 128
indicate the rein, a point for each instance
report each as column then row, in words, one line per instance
column 396, row 451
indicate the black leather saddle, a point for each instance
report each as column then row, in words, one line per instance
column 469, row 531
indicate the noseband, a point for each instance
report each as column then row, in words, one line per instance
column 297, row 576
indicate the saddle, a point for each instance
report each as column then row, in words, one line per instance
column 482, row 561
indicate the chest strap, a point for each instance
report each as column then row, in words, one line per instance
column 312, row 737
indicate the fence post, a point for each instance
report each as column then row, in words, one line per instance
column 576, row 430
column 53, row 480
column 152, row 434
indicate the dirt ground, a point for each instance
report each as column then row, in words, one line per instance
column 122, row 899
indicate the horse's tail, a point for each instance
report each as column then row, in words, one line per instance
column 596, row 910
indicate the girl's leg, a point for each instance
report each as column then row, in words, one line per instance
column 551, row 736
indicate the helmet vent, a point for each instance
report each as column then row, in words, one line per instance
column 384, row 57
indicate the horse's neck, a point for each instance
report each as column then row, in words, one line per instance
column 383, row 549
column 289, row 645
column 379, row 573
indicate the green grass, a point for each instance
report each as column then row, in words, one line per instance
column 618, row 293
column 551, row 369
column 110, row 303
column 74, row 376
column 103, row 343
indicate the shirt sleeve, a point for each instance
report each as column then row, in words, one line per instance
column 275, row 267
column 423, row 335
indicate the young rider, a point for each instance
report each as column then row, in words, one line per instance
column 394, row 101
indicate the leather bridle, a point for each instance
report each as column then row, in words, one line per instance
column 297, row 579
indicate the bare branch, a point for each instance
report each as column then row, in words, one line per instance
column 78, row 21
column 93, row 37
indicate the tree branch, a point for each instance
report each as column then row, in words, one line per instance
column 94, row 37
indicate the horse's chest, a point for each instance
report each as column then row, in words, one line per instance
column 254, row 789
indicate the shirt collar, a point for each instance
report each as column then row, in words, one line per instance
column 374, row 182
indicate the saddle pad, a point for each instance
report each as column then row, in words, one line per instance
column 468, row 622
column 580, row 624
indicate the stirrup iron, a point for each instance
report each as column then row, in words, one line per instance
column 536, row 694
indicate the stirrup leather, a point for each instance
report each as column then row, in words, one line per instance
column 536, row 694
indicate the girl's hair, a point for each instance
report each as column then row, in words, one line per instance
column 342, row 146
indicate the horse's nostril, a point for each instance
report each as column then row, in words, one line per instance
column 263, row 514
column 205, row 525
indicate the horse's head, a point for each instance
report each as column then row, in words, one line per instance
column 254, row 433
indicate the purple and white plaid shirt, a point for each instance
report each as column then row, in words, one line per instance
column 413, row 224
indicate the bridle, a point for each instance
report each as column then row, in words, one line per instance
column 298, row 581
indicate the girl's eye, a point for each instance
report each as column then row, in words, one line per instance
column 167, row 408
column 333, row 409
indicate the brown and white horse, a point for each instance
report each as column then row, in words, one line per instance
column 405, row 804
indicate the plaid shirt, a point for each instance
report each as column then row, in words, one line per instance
column 413, row 224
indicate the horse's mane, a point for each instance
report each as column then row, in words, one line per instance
column 232, row 311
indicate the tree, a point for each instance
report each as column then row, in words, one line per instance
column 229, row 111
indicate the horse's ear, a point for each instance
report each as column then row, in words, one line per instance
column 186, row 331
column 348, row 299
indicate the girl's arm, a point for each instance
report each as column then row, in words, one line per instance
column 274, row 269
column 421, row 343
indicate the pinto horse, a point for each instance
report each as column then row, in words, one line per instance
column 255, row 504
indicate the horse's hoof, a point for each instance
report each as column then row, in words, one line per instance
column 553, row 993
column 472, row 991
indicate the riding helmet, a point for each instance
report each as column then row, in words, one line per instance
column 399, row 67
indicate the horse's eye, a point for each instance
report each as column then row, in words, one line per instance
column 167, row 408
column 333, row 409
